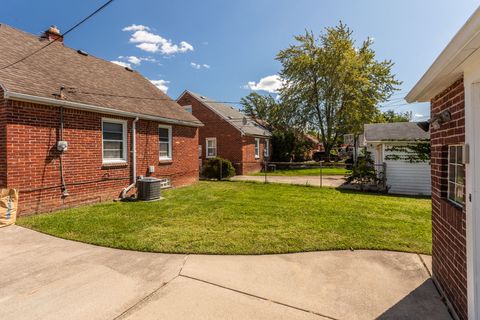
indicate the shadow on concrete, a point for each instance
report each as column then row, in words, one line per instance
column 422, row 303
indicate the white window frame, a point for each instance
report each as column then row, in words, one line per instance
column 455, row 178
column 170, row 142
column 206, row 147
column 267, row 148
column 257, row 148
column 124, row 124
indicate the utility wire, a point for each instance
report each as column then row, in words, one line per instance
column 63, row 35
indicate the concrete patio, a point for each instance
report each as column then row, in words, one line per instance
column 49, row 278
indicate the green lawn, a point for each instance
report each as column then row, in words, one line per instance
column 306, row 172
column 248, row 218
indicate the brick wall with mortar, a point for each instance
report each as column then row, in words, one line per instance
column 448, row 220
column 33, row 161
column 231, row 144
column 3, row 141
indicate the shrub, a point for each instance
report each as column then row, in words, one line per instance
column 211, row 170
column 363, row 172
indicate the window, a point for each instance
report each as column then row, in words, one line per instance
column 114, row 136
column 211, row 149
column 165, row 142
column 165, row 183
column 257, row 148
column 456, row 175
column 267, row 148
column 188, row 108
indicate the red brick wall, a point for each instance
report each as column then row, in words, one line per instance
column 231, row 144
column 448, row 220
column 3, row 141
column 229, row 139
column 33, row 161
column 250, row 163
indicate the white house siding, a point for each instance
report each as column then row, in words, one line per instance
column 407, row 178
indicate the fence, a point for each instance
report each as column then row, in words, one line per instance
column 331, row 174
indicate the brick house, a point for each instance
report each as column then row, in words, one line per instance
column 228, row 133
column 452, row 86
column 116, row 123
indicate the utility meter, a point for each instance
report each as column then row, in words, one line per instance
column 62, row 146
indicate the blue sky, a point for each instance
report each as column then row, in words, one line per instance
column 217, row 47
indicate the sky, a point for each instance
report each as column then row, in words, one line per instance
column 226, row 49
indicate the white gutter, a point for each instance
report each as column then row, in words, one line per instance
column 462, row 46
column 134, row 159
column 92, row 108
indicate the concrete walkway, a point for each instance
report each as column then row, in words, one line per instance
column 49, row 278
column 327, row 181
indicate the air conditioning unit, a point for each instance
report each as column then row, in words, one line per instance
column 148, row 189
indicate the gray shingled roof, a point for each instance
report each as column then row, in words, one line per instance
column 89, row 80
column 233, row 116
column 398, row 131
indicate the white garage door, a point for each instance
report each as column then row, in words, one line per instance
column 408, row 178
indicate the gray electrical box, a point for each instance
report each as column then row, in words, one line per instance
column 62, row 146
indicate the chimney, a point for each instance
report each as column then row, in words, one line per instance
column 53, row 34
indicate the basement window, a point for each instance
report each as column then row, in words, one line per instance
column 211, row 149
column 165, row 142
column 456, row 175
column 165, row 183
column 114, row 144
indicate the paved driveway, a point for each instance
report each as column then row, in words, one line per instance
column 49, row 278
column 327, row 181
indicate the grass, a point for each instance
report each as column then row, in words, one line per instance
column 248, row 218
column 306, row 172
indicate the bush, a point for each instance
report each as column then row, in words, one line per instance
column 363, row 173
column 211, row 170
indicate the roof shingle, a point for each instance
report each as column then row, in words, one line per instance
column 232, row 115
column 87, row 79
column 398, row 131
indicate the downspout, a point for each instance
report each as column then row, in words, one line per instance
column 134, row 160
column 62, row 175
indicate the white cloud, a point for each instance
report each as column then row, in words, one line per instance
column 137, row 60
column 149, row 47
column 269, row 84
column 151, row 42
column 135, row 27
column 199, row 66
column 121, row 63
column 161, row 84
column 195, row 65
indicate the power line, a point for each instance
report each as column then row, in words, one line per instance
column 57, row 38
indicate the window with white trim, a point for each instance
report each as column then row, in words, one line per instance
column 257, row 148
column 456, row 175
column 267, row 148
column 165, row 142
column 211, row 147
column 114, row 140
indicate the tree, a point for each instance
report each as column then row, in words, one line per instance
column 331, row 85
column 290, row 142
column 391, row 116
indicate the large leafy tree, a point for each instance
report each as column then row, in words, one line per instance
column 331, row 85
column 289, row 141
column 392, row 116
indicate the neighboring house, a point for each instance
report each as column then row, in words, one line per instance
column 396, row 148
column 228, row 133
column 452, row 85
column 61, row 94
